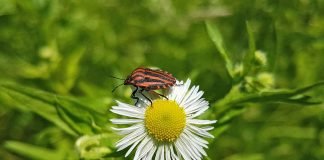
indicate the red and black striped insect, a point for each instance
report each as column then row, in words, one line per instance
column 146, row 79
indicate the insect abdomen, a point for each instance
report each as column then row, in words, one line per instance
column 151, row 79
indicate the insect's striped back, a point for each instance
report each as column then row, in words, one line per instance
column 150, row 79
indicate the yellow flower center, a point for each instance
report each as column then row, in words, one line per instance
column 165, row 120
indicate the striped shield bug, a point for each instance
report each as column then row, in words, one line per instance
column 146, row 79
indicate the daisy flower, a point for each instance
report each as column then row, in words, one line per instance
column 167, row 129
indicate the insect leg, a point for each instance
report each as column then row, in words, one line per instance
column 160, row 95
column 163, row 96
column 134, row 97
column 179, row 84
column 141, row 92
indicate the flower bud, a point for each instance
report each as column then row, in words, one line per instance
column 90, row 147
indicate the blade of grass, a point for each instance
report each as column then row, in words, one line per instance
column 279, row 96
column 216, row 37
column 81, row 112
column 32, row 151
column 42, row 109
column 274, row 48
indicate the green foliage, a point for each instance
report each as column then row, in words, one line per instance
column 247, row 56
column 33, row 152
column 216, row 37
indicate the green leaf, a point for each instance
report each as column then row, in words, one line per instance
column 116, row 153
column 50, row 98
column 283, row 131
column 249, row 57
column 41, row 108
column 7, row 7
column 85, row 117
column 274, row 48
column 216, row 37
column 220, row 129
column 64, row 76
column 244, row 156
column 225, row 118
column 288, row 96
column 76, row 126
column 63, row 111
column 32, row 151
column 230, row 114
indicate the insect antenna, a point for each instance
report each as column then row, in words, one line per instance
column 117, row 87
column 116, row 77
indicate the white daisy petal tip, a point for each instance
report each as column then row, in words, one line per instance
column 118, row 102
column 184, row 138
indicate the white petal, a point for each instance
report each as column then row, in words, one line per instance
column 147, row 148
column 197, row 139
column 130, row 107
column 194, row 144
column 127, row 107
column 195, row 107
column 125, row 121
column 200, row 122
column 128, row 111
column 188, row 95
column 207, row 128
column 187, row 150
column 180, row 148
column 194, row 154
column 182, row 92
column 131, row 138
column 141, row 150
column 131, row 148
column 129, row 142
column 173, row 155
column 174, row 90
column 194, row 91
column 158, row 153
column 194, row 99
column 149, row 156
column 128, row 130
column 201, row 111
column 167, row 152
column 199, row 131
column 162, row 152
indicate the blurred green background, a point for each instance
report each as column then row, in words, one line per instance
column 69, row 48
